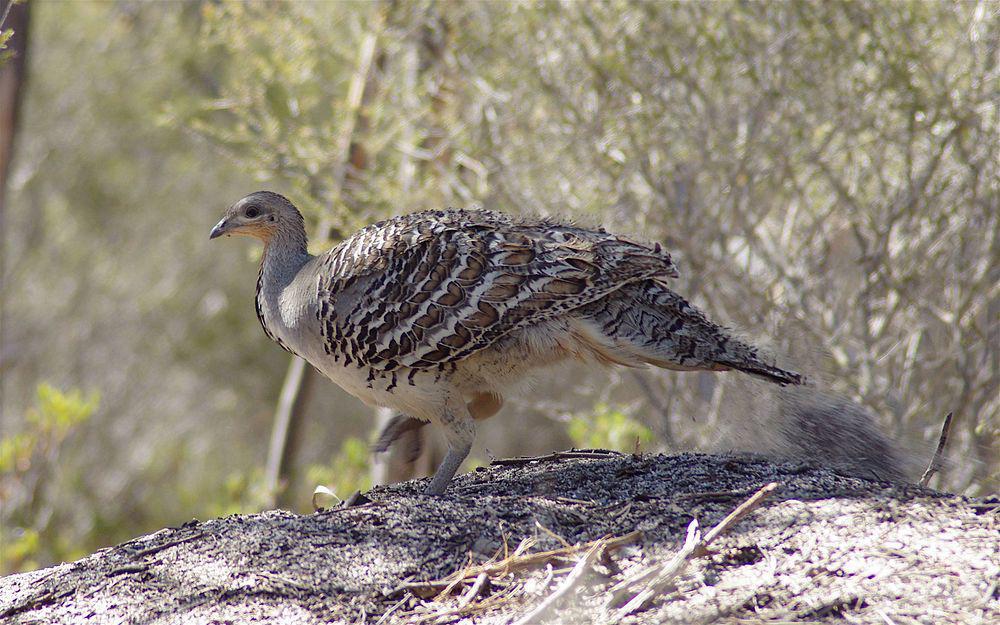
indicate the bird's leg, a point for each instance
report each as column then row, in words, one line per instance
column 396, row 427
column 460, row 431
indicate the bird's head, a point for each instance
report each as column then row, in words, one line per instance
column 264, row 215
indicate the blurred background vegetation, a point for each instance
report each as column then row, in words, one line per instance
column 826, row 173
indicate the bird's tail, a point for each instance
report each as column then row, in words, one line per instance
column 755, row 367
column 657, row 326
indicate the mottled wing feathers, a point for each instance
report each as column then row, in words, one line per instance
column 428, row 289
column 660, row 327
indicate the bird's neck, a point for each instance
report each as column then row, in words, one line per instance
column 282, row 262
column 284, row 255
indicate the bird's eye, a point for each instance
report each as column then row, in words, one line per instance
column 252, row 212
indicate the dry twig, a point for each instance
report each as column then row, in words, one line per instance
column 142, row 553
column 657, row 579
column 443, row 616
column 736, row 516
column 385, row 617
column 568, row 584
column 473, row 592
column 562, row 541
column 935, row 463
column 558, row 455
column 514, row 561
column 662, row 577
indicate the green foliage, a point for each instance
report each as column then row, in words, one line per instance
column 27, row 459
column 57, row 412
column 283, row 73
column 5, row 54
column 353, row 137
column 242, row 493
column 6, row 34
column 20, row 548
column 608, row 428
column 16, row 450
column 348, row 471
column 48, row 423
column 109, row 281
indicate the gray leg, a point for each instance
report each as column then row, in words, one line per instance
column 394, row 430
column 460, row 431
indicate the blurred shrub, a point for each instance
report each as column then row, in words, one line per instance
column 5, row 54
column 609, row 428
column 48, row 423
column 348, row 471
column 109, row 282
column 28, row 463
column 243, row 492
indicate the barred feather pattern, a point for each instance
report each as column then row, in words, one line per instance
column 426, row 290
column 436, row 314
column 661, row 328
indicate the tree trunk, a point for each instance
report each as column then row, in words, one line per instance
column 12, row 80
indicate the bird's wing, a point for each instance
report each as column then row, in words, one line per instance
column 428, row 289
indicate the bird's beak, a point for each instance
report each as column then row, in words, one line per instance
column 219, row 229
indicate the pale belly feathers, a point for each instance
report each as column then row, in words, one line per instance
column 423, row 393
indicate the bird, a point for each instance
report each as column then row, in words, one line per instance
column 438, row 314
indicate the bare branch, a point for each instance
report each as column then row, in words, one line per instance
column 935, row 463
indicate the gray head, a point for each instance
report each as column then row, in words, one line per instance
column 265, row 215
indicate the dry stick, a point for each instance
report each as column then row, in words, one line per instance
column 287, row 414
column 515, row 561
column 448, row 615
column 473, row 591
column 567, row 585
column 596, row 548
column 495, row 565
column 385, row 617
column 141, row 553
column 694, row 546
column 558, row 455
column 665, row 576
column 935, row 464
column 736, row 516
column 6, row 12
column 562, row 541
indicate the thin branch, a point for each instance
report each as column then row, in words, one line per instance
column 511, row 562
column 558, row 455
column 737, row 515
column 385, row 617
column 568, row 584
column 936, row 461
column 6, row 12
column 473, row 591
column 662, row 577
column 291, row 403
